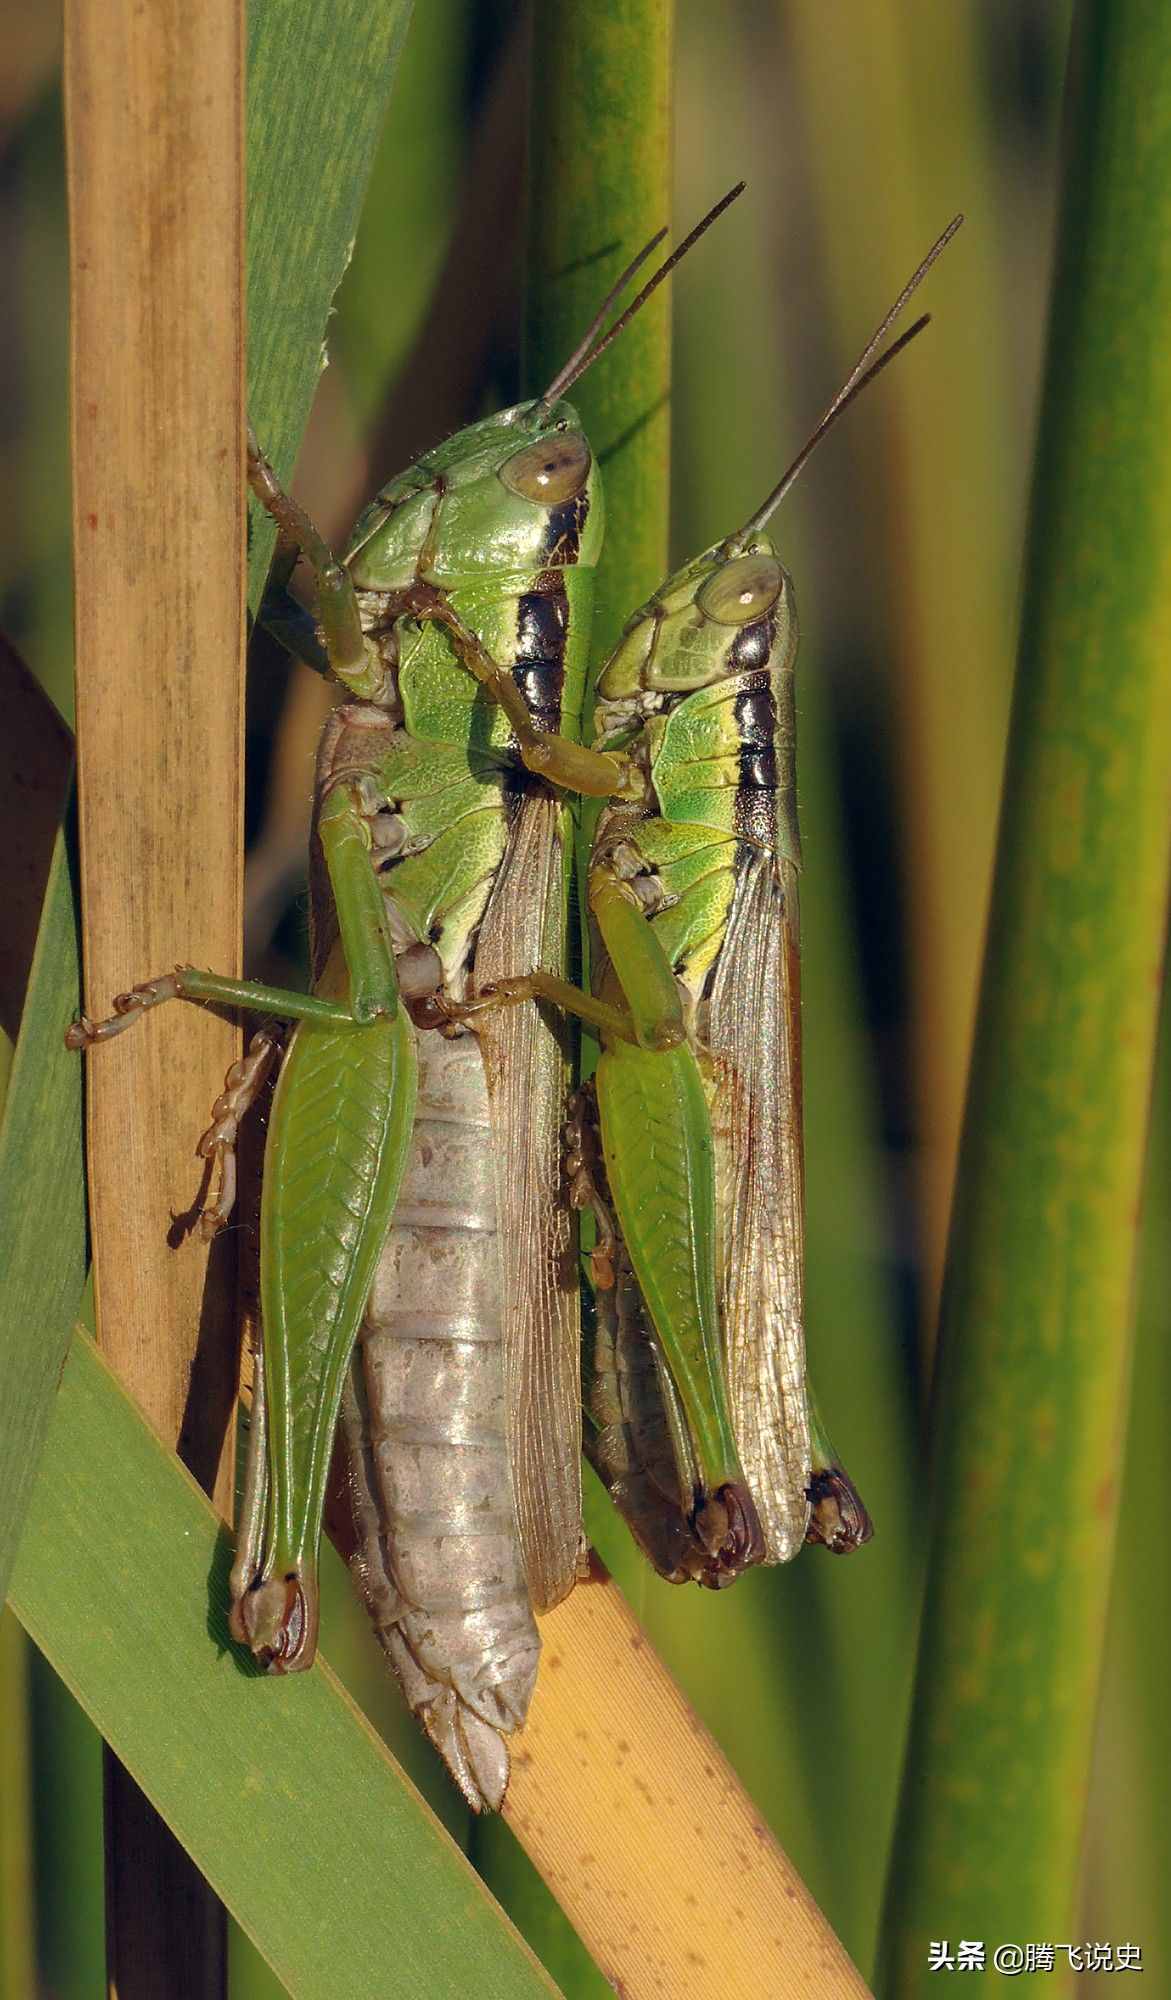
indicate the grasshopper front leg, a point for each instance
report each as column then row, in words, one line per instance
column 649, row 1013
column 591, row 774
column 355, row 659
column 351, row 656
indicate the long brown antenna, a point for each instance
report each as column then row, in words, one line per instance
column 568, row 373
column 590, row 347
column 864, row 371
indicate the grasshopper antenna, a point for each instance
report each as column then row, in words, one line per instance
column 590, row 346
column 865, row 370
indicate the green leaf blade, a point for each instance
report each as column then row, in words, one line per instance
column 277, row 1788
column 40, row 1177
column 319, row 81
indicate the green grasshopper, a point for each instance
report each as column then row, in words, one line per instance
column 412, row 1179
column 693, row 894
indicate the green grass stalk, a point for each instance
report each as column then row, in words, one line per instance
column 600, row 186
column 1035, row 1331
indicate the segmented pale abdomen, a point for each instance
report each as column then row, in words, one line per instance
column 438, row 1560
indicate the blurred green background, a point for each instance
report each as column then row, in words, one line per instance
column 905, row 539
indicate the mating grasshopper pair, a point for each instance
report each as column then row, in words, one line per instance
column 414, row 1181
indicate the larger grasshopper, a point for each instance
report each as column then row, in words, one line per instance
column 458, row 623
column 693, row 893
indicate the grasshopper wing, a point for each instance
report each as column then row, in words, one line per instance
column 754, row 1033
column 526, row 1070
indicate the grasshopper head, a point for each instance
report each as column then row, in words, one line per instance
column 732, row 608
column 515, row 494
column 728, row 611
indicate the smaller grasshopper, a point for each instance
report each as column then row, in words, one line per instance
column 695, row 957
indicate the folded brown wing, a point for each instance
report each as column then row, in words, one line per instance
column 526, row 1070
column 754, row 1032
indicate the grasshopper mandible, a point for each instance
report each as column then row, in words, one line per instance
column 458, row 624
column 705, row 1431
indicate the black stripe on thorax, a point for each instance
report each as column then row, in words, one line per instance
column 755, row 711
column 563, row 531
column 752, row 645
column 542, row 628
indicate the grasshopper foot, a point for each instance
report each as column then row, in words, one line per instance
column 242, row 1086
column 85, row 1033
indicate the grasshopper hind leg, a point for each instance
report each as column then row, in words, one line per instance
column 628, row 1436
column 277, row 1619
column 274, row 1616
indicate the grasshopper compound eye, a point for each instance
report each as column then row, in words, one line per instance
column 551, row 470
column 742, row 590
